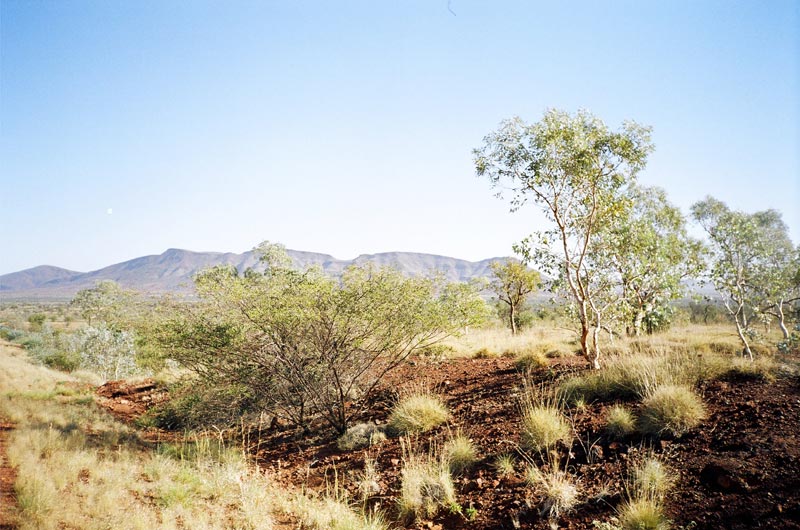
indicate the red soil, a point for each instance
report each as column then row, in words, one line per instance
column 8, row 475
column 740, row 469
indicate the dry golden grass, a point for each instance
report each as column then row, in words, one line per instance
column 555, row 487
column 79, row 468
column 496, row 341
column 419, row 409
column 426, row 484
column 673, row 409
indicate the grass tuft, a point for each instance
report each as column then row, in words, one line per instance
column 620, row 422
column 671, row 409
column 555, row 487
column 426, row 486
column 460, row 453
column 504, row 465
column 419, row 411
column 642, row 514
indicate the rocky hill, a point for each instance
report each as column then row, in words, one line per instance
column 172, row 271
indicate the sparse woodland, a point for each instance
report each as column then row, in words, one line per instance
column 619, row 399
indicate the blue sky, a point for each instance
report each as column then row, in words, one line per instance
column 347, row 127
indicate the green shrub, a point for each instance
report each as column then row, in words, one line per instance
column 672, row 409
column 620, row 422
column 360, row 436
column 419, row 411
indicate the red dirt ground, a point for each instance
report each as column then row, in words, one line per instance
column 740, row 469
column 8, row 498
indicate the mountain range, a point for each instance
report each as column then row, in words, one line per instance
column 172, row 271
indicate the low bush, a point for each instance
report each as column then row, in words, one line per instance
column 361, row 436
column 620, row 422
column 556, row 489
column 671, row 409
column 419, row 411
column 460, row 453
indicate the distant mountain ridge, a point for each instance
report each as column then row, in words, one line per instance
column 172, row 271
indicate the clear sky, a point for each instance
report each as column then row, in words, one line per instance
column 132, row 126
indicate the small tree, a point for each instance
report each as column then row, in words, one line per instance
column 512, row 282
column 106, row 352
column 651, row 252
column 576, row 171
column 306, row 345
column 105, row 302
column 751, row 254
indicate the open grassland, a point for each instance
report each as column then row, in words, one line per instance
column 76, row 467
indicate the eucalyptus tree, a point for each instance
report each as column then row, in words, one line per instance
column 106, row 302
column 306, row 345
column 652, row 254
column 576, row 171
column 512, row 281
column 752, row 261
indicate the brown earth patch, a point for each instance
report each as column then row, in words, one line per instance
column 8, row 476
column 740, row 469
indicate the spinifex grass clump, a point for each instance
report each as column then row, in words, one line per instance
column 620, row 422
column 648, row 484
column 543, row 420
column 460, row 453
column 671, row 409
column 426, row 485
column 418, row 411
column 555, row 487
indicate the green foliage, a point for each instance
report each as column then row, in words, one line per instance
column 106, row 352
column 306, row 345
column 10, row 334
column 512, row 282
column 36, row 321
column 106, row 302
column 196, row 407
column 754, row 265
column 577, row 172
column 652, row 254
